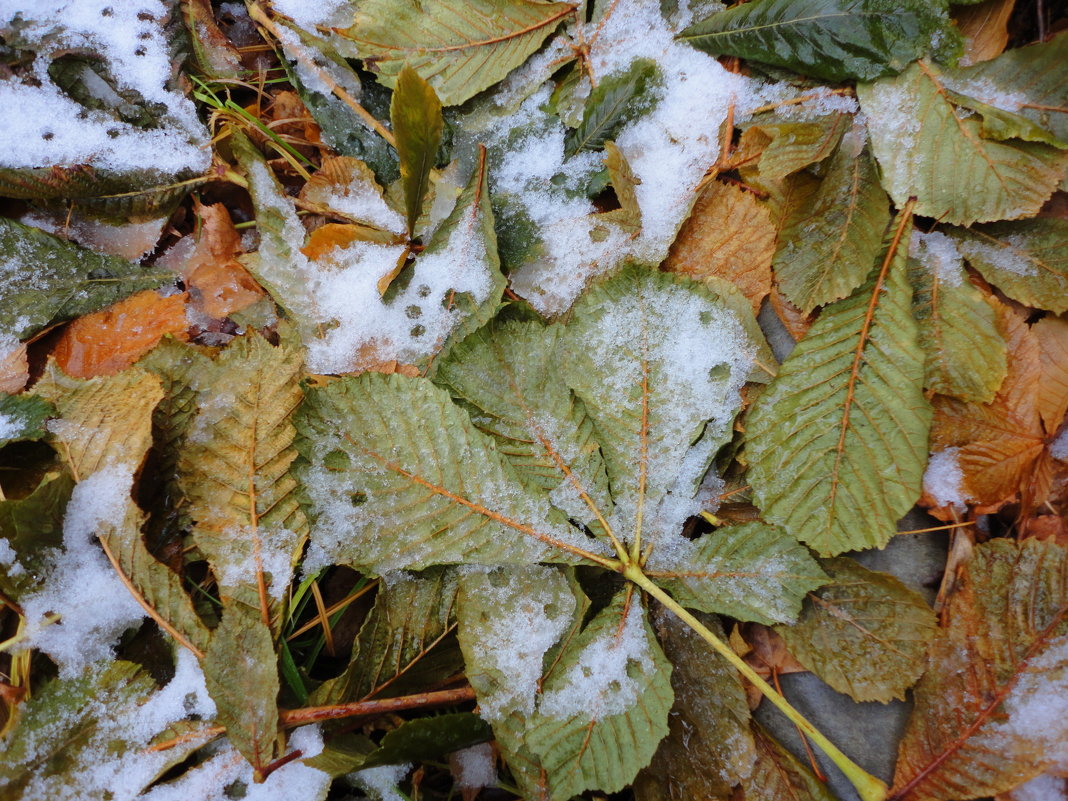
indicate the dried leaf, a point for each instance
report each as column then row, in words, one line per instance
column 786, row 147
column 624, row 183
column 218, row 284
column 728, row 235
column 865, row 633
column 778, row 776
column 1052, row 335
column 108, row 341
column 14, row 367
column 985, row 28
column 982, row 722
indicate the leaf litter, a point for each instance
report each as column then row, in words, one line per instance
column 355, row 389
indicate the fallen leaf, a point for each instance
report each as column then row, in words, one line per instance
column 108, row 341
column 1052, row 335
column 729, row 234
column 14, row 367
column 218, row 284
column 985, row 28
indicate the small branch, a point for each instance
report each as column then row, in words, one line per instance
column 382, row 706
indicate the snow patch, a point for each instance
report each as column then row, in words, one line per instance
column 1038, row 704
column 939, row 254
column 381, row 782
column 1058, row 449
column 943, row 479
column 475, row 767
column 1009, row 254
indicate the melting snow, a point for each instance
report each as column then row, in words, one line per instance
column 475, row 767
column 1038, row 704
column 1008, row 254
column 943, row 479
column 939, row 254
column 381, row 782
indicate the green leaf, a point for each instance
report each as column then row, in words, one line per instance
column 1027, row 260
column 1033, row 74
column 47, row 279
column 394, row 651
column 615, row 101
column 390, row 496
column 838, row 441
column 1001, row 125
column 605, row 705
column 537, row 422
column 240, row 670
column 344, row 753
column 415, row 113
column 984, row 719
column 460, row 50
column 709, row 748
column 914, row 124
column 965, row 353
column 234, row 470
column 778, row 776
column 32, row 526
column 750, row 572
column 826, row 247
column 23, row 417
column 865, row 633
column 836, row 40
column 512, row 624
column 429, row 739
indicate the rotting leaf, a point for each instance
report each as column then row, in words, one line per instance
column 864, row 633
column 838, row 441
column 981, row 722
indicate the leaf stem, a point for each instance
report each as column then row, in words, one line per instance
column 868, row 787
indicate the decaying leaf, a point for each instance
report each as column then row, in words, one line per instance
column 987, row 716
column 985, row 28
column 728, row 235
column 864, row 633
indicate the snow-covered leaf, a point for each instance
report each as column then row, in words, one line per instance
column 864, row 633
column 29, row 528
column 23, row 417
column 914, row 124
column 1028, row 260
column 615, row 101
column 838, row 441
column 989, row 713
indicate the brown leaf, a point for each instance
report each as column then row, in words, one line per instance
column 219, row 285
column 730, row 235
column 796, row 321
column 14, row 369
column 985, row 28
column 108, row 341
column 326, row 238
column 1002, row 445
column 1052, row 334
column 979, row 726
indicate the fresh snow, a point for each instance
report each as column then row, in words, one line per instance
column 943, row 479
column 50, row 128
column 939, row 254
column 381, row 782
column 475, row 767
column 1009, row 254
column 1038, row 704
column 82, row 588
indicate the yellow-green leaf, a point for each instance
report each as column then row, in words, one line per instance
column 415, row 113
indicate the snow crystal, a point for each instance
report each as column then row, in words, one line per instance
column 94, row 607
column 51, row 128
column 9, row 426
column 381, row 782
column 238, row 561
column 227, row 775
column 326, row 13
column 983, row 90
column 1038, row 704
column 1046, row 787
column 1058, row 449
column 669, row 151
column 9, row 559
column 939, row 254
column 600, row 682
column 362, row 200
column 476, row 767
column 528, row 620
column 1008, row 254
column 99, row 772
column 314, row 70
column 943, row 479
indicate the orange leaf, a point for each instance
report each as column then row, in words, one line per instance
column 1052, row 333
column 730, row 235
column 1002, row 444
column 14, row 369
column 108, row 341
column 218, row 285
column 793, row 319
column 977, row 727
column 985, row 28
